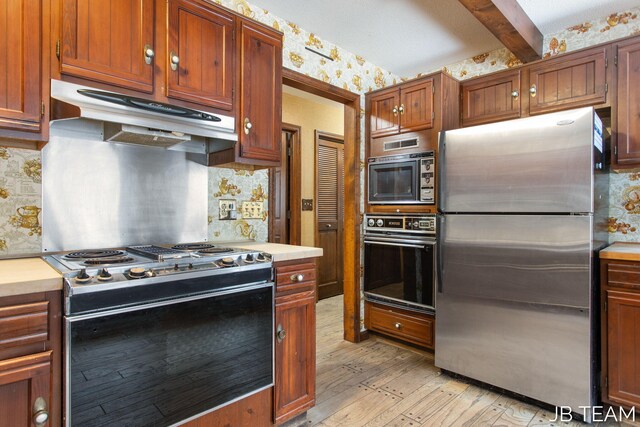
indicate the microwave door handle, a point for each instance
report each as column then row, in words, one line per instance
column 403, row 245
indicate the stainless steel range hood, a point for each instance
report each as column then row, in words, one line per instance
column 133, row 120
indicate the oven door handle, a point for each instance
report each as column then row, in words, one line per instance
column 404, row 245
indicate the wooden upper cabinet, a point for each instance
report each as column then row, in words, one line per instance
column 628, row 104
column 491, row 99
column 416, row 106
column 21, row 65
column 385, row 118
column 200, row 54
column 260, row 93
column 568, row 81
column 623, row 354
column 109, row 41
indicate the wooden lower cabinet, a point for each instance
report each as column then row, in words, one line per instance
column 295, row 340
column 406, row 325
column 30, row 360
column 620, row 300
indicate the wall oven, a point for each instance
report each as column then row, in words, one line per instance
column 158, row 351
column 400, row 260
column 402, row 179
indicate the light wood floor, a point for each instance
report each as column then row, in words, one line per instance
column 380, row 382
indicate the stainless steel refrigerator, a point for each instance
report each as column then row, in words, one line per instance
column 524, row 212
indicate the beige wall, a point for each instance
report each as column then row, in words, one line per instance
column 311, row 113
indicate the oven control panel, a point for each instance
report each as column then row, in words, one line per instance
column 415, row 224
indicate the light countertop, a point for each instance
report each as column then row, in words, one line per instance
column 625, row 251
column 27, row 276
column 279, row 251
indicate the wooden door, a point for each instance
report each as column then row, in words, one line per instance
column 295, row 355
column 261, row 93
column 623, row 353
column 491, row 99
column 109, row 41
column 416, row 106
column 385, row 117
column 20, row 65
column 279, row 181
column 569, row 81
column 329, row 212
column 628, row 103
column 200, row 54
column 24, row 384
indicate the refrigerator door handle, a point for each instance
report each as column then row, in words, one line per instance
column 440, row 219
column 440, row 168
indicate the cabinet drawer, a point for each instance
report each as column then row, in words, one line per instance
column 24, row 324
column 625, row 275
column 417, row 328
column 287, row 277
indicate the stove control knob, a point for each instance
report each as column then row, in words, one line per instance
column 82, row 277
column 416, row 225
column 176, row 267
column 371, row 222
column 104, row 275
column 249, row 258
column 190, row 266
column 380, row 222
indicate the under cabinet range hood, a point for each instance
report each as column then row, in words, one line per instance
column 133, row 120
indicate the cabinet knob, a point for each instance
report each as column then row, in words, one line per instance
column 533, row 90
column 40, row 414
column 297, row 277
column 398, row 325
column 247, row 126
column 148, row 54
column 395, row 110
column 281, row 334
column 515, row 94
column 175, row 60
column 401, row 109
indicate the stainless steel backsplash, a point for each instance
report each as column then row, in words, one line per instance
column 99, row 194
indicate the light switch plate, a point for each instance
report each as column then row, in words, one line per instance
column 228, row 209
column 252, row 210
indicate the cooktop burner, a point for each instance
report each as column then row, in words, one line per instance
column 193, row 247
column 108, row 260
column 214, row 250
column 95, row 254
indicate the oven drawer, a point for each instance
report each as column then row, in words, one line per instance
column 407, row 325
column 623, row 275
column 295, row 277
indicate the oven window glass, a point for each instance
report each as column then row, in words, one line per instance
column 400, row 273
column 392, row 182
column 158, row 366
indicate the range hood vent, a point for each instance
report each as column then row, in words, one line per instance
column 132, row 120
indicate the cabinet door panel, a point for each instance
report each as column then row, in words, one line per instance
column 416, row 106
column 628, row 128
column 261, row 97
column 623, row 358
column 22, row 381
column 570, row 81
column 20, row 64
column 385, row 118
column 294, row 390
column 202, row 39
column 104, row 40
column 491, row 99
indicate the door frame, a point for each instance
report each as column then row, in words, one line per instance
column 352, row 214
column 295, row 190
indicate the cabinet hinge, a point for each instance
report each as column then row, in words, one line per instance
column 606, row 62
column 288, row 214
column 42, row 109
column 58, row 49
column 289, row 151
column 606, row 87
column 605, row 306
column 615, row 150
column 433, row 89
column 433, row 115
column 615, row 60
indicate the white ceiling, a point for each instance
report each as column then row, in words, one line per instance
column 407, row 37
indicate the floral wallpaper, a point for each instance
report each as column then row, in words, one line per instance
column 20, row 201
column 241, row 186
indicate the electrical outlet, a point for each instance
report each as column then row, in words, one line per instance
column 252, row 210
column 228, row 209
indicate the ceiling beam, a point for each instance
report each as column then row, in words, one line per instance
column 508, row 22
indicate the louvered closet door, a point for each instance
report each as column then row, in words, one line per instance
column 329, row 212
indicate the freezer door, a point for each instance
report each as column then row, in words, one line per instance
column 513, row 304
column 536, row 164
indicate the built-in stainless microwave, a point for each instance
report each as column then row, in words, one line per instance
column 402, row 179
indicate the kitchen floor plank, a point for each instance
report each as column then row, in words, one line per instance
column 464, row 409
column 517, row 414
column 359, row 413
